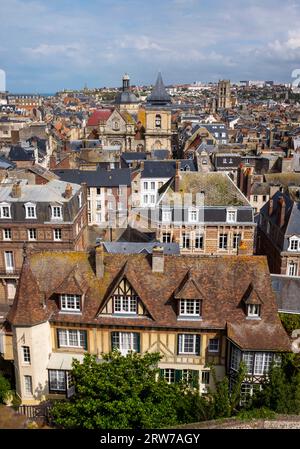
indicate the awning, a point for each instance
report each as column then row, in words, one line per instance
column 63, row 360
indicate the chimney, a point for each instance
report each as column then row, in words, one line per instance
column 271, row 206
column 177, row 176
column 158, row 261
column 241, row 178
column 99, row 259
column 142, row 166
column 16, row 190
column 248, row 183
column 273, row 189
column 281, row 211
column 52, row 160
column 68, row 191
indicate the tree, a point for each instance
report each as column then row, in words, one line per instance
column 4, row 388
column 123, row 392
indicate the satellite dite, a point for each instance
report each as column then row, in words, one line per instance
column 2, row 81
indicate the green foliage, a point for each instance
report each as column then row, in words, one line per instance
column 281, row 389
column 256, row 413
column 123, row 392
column 4, row 388
column 290, row 322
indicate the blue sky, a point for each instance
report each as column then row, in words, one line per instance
column 50, row 45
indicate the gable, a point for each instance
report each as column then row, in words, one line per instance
column 251, row 296
column 188, row 289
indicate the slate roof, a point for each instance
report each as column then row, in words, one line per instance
column 17, row 153
column 287, row 291
column 165, row 169
column 97, row 178
column 138, row 248
column 159, row 96
column 221, row 282
column 126, row 97
column 134, row 156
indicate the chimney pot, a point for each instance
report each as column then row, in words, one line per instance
column 281, row 211
column 68, row 191
column 16, row 190
column 99, row 259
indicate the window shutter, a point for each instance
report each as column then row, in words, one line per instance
column 138, row 342
column 179, row 344
column 198, row 344
column 161, row 373
column 195, row 379
column 114, row 337
column 57, row 335
column 178, row 375
column 85, row 339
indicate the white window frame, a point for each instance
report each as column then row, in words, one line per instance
column 26, row 357
column 169, row 375
column 292, row 268
column 127, row 341
column 231, row 215
column 193, row 216
column 294, row 244
column 9, row 266
column 186, row 240
column 262, row 363
column 70, row 303
column 166, row 215
column 186, row 305
column 205, row 377
column 28, row 385
column 5, row 234
column 3, row 206
column 128, row 304
column 54, row 215
column 222, row 239
column 253, row 310
column 57, row 239
column 29, row 231
column 58, row 379
column 235, row 358
column 30, row 211
column 80, row 200
column 186, row 340
column 65, row 334
column 145, row 185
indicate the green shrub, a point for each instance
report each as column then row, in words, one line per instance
column 256, row 413
column 4, row 388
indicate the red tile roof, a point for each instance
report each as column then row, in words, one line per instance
column 99, row 116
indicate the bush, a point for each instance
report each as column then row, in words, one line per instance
column 290, row 322
column 256, row 413
column 4, row 388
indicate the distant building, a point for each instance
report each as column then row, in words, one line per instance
column 224, row 94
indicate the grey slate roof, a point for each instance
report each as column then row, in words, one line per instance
column 17, row 153
column 165, row 169
column 97, row 178
column 126, row 98
column 287, row 292
column 136, row 248
column 134, row 156
column 159, row 96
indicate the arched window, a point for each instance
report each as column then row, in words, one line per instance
column 158, row 121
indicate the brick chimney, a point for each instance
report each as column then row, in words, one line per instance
column 271, row 207
column 158, row 260
column 99, row 260
column 68, row 191
column 52, row 162
column 16, row 190
column 177, row 176
column 281, row 211
column 142, row 166
column 241, row 178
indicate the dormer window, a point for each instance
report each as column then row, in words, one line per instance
column 70, row 303
column 253, row 310
column 294, row 244
column 166, row 216
column 193, row 215
column 125, row 304
column 190, row 308
column 56, row 212
column 30, row 210
column 5, row 210
column 231, row 216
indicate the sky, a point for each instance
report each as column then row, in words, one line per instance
column 47, row 46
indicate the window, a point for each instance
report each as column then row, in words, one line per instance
column 28, row 385
column 126, row 341
column 145, row 199
column 199, row 241
column 166, row 216
column 157, row 121
column 235, row 358
column 213, row 345
column 72, row 338
column 70, row 303
column 57, row 380
column 231, row 216
column 294, row 244
column 236, row 241
column 190, row 307
column 80, row 199
column 6, row 234
column 98, row 191
column 248, row 358
column 9, row 261
column 5, row 210
column 152, row 199
column 152, row 185
column 186, row 241
column 205, row 377
column 253, row 310
column 31, row 234
column 264, row 198
column 56, row 213
column 125, row 304
column 145, row 185
column 255, row 198
column 30, row 210
column 169, row 375
column 262, row 363
column 223, row 238
column 193, row 216
column 57, row 234
column 98, row 218
column 292, row 269
column 166, row 237
column 26, row 354
column 189, row 344
column 98, row 205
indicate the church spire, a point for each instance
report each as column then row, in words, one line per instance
column 159, row 96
